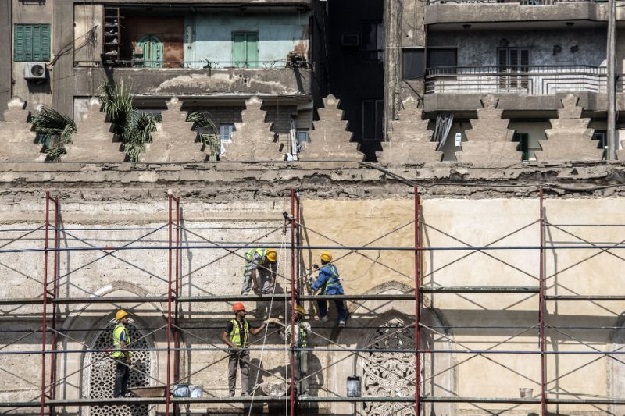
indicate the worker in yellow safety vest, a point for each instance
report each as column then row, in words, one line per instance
column 121, row 340
column 261, row 267
column 236, row 336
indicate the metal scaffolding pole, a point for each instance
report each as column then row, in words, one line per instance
column 542, row 310
column 293, row 392
column 417, row 293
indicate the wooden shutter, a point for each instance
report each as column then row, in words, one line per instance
column 251, row 40
column 239, row 50
column 31, row 43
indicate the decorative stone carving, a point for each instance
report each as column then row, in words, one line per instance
column 330, row 139
column 409, row 140
column 174, row 140
column 252, row 139
column 102, row 372
column 569, row 138
column 389, row 373
column 489, row 141
column 18, row 139
column 93, row 140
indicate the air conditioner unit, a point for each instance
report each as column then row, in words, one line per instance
column 35, row 70
column 350, row 39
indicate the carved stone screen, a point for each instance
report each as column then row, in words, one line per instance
column 389, row 373
column 102, row 372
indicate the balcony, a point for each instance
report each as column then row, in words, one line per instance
column 529, row 87
column 488, row 14
column 204, row 78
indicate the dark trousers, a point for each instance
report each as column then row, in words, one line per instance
column 122, row 375
column 341, row 310
column 242, row 358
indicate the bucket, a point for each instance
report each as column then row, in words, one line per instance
column 526, row 393
column 180, row 390
column 196, row 391
column 353, row 386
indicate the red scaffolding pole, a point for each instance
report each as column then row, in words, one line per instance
column 542, row 310
column 172, row 296
column 293, row 391
column 47, row 296
column 417, row 326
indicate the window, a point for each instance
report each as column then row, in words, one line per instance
column 372, row 45
column 413, row 63
column 301, row 137
column 602, row 142
column 151, row 51
column 513, row 63
column 372, row 116
column 442, row 58
column 31, row 43
column 225, row 132
column 523, row 146
column 245, row 49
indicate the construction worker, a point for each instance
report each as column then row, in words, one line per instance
column 121, row 340
column 303, row 330
column 236, row 336
column 329, row 283
column 261, row 267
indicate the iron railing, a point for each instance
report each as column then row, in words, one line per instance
column 521, row 2
column 530, row 80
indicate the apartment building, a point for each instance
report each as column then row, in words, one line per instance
column 211, row 55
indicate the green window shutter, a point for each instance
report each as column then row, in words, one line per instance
column 31, row 42
column 239, row 55
column 18, row 42
column 251, row 41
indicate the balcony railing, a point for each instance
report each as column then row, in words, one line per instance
column 205, row 64
column 529, row 80
column 521, row 2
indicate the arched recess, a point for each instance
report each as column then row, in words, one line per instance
column 100, row 368
column 91, row 374
column 392, row 373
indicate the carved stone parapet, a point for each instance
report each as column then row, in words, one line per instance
column 174, row 140
column 18, row 139
column 93, row 140
column 252, row 139
column 330, row 139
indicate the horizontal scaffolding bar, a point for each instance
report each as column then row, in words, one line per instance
column 584, row 298
column 337, row 248
column 251, row 400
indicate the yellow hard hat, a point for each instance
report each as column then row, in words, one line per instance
column 326, row 256
column 272, row 255
column 121, row 314
column 300, row 309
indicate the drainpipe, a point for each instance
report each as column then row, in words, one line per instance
column 612, row 142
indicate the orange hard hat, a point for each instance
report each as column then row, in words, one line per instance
column 238, row 307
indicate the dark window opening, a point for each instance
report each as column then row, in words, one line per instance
column 413, row 63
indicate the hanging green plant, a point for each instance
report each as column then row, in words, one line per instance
column 133, row 127
column 54, row 131
column 208, row 133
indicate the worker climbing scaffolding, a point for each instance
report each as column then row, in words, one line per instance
column 328, row 282
column 260, row 271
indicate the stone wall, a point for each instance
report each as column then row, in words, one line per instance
column 114, row 240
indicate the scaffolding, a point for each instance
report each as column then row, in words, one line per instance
column 294, row 401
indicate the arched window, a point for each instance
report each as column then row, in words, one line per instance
column 101, row 374
column 152, row 51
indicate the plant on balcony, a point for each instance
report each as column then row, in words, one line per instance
column 54, row 130
column 133, row 127
column 208, row 133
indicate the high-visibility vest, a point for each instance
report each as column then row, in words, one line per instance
column 117, row 334
column 251, row 253
column 300, row 341
column 235, row 334
column 334, row 279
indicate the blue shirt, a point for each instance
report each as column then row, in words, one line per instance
column 328, row 279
